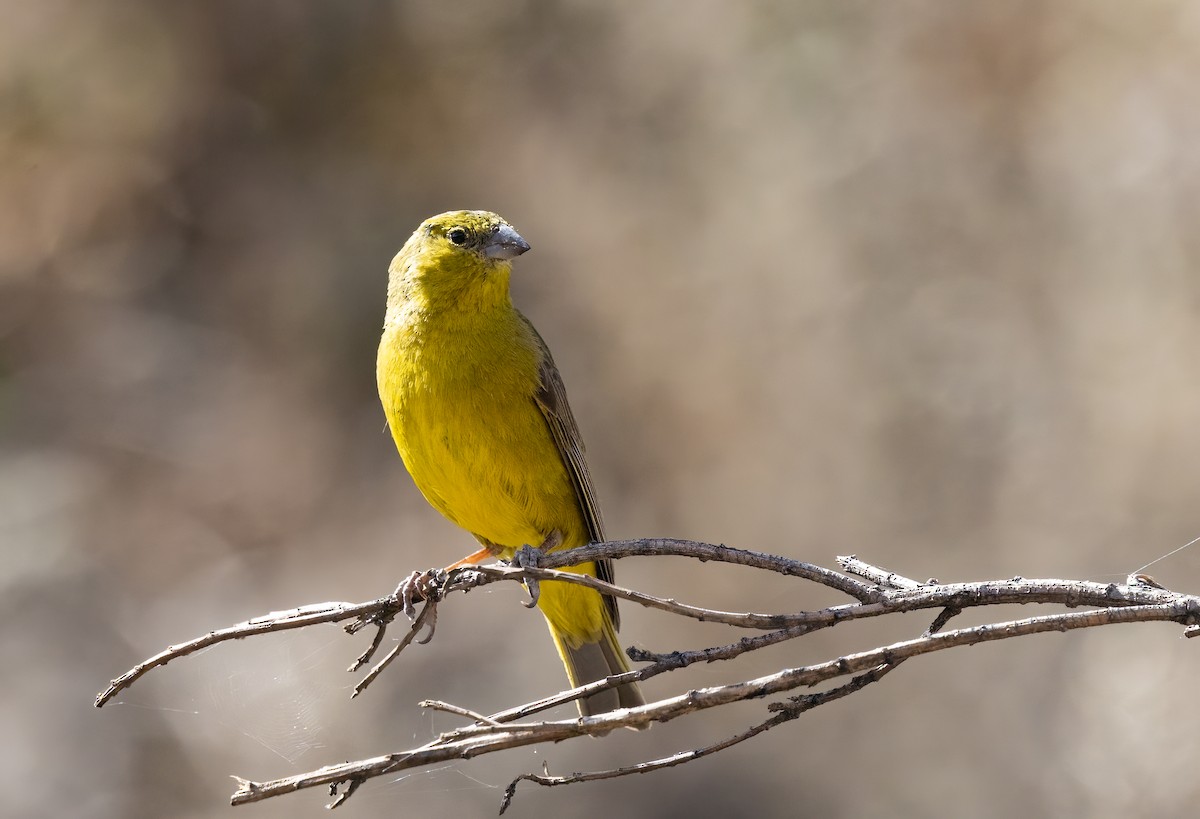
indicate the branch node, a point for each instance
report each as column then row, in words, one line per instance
column 669, row 660
column 351, row 787
column 945, row 616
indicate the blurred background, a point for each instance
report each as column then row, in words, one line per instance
column 912, row 280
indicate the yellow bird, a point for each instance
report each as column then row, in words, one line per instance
column 480, row 416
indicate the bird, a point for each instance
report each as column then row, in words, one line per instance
column 479, row 413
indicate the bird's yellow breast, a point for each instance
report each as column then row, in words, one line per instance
column 459, row 392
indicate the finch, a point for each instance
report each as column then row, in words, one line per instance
column 479, row 413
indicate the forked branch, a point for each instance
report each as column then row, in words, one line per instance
column 874, row 592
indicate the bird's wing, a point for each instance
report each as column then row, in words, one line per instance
column 551, row 399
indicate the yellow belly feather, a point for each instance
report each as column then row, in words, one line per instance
column 459, row 398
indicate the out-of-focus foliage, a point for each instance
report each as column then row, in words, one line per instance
column 915, row 280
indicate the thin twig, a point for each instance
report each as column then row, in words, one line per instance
column 642, row 767
column 427, row 617
column 438, row 705
column 806, row 702
column 382, row 609
column 570, row 695
column 880, row 577
column 301, row 617
column 364, row 658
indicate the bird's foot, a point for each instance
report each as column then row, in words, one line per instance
column 528, row 557
column 416, row 587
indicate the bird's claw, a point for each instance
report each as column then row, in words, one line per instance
column 430, row 624
column 527, row 557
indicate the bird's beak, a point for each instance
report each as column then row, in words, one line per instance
column 505, row 243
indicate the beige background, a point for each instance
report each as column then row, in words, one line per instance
column 913, row 280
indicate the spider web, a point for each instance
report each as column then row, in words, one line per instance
column 282, row 704
column 287, row 696
column 279, row 693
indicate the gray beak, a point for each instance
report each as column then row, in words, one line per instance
column 505, row 243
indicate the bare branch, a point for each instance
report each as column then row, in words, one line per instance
column 275, row 621
column 886, row 593
column 729, row 618
column 661, row 547
column 477, row 739
column 571, row 694
column 642, row 767
column 785, row 713
column 379, row 612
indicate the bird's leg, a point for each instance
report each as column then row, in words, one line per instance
column 471, row 559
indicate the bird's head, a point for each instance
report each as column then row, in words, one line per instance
column 471, row 236
column 456, row 253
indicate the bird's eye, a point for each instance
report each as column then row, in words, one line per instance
column 458, row 236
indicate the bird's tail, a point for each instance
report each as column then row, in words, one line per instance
column 589, row 654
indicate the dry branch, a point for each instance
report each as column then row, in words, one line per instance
column 883, row 593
